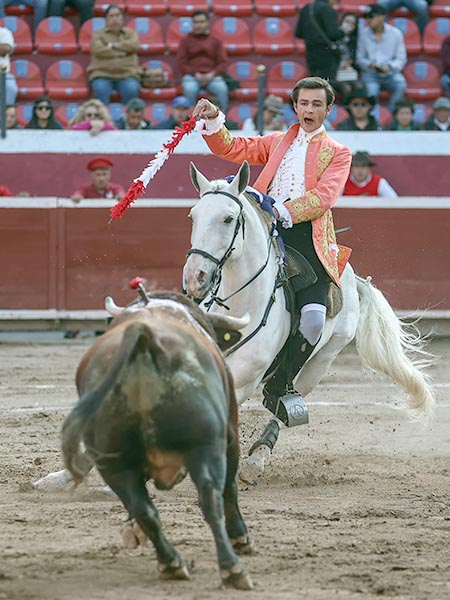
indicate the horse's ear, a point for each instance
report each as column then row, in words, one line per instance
column 199, row 181
column 242, row 177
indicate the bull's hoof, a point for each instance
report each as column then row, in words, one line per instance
column 252, row 468
column 242, row 545
column 239, row 581
column 59, row 480
column 175, row 570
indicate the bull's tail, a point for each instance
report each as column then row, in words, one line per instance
column 393, row 348
column 137, row 337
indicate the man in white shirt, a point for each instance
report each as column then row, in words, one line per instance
column 6, row 49
column 381, row 55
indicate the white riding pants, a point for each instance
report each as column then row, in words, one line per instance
column 312, row 322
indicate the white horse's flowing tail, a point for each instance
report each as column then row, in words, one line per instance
column 385, row 345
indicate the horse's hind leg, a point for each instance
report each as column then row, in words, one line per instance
column 59, row 480
column 129, row 485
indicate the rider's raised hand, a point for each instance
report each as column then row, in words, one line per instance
column 205, row 109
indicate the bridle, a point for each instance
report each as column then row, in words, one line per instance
column 217, row 275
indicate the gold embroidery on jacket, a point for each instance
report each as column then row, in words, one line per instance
column 225, row 135
column 328, row 239
column 324, row 159
column 306, row 208
column 319, row 137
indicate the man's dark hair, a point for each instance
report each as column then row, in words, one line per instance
column 199, row 13
column 404, row 103
column 110, row 7
column 314, row 83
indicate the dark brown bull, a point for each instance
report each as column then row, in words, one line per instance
column 156, row 402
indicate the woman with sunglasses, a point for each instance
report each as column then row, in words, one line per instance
column 43, row 115
column 92, row 116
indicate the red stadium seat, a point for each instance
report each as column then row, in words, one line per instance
column 65, row 80
column 18, row 10
column 423, row 81
column 157, row 112
column 283, row 76
column 29, row 79
column 160, row 94
column 411, row 34
column 337, row 114
column 21, row 33
column 144, row 8
column 24, row 113
column 440, row 8
column 65, row 112
column 273, row 36
column 357, row 6
column 115, row 110
column 279, row 8
column 178, row 8
column 56, row 35
column 235, row 34
column 434, row 33
column 421, row 113
column 246, row 73
column 382, row 115
column 150, row 35
column 238, row 8
column 86, row 32
column 300, row 43
column 176, row 30
column 100, row 6
column 241, row 112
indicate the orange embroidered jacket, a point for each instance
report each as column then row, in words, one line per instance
column 326, row 171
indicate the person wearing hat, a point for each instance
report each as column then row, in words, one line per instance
column 381, row 56
column 359, row 106
column 303, row 170
column 100, row 186
column 439, row 120
column 403, row 117
column 272, row 117
column 180, row 112
column 133, row 118
column 363, row 182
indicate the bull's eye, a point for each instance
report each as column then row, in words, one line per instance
column 228, row 220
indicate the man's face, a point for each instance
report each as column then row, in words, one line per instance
column 180, row 113
column 360, row 172
column 404, row 116
column 359, row 107
column 100, row 178
column 311, row 108
column 200, row 25
column 134, row 117
column 375, row 22
column 442, row 115
column 10, row 117
column 114, row 20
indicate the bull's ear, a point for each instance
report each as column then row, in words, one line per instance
column 227, row 337
column 240, row 182
column 199, row 181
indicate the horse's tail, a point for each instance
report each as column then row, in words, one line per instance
column 393, row 348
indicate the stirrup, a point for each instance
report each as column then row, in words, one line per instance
column 291, row 408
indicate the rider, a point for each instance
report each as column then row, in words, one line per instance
column 305, row 170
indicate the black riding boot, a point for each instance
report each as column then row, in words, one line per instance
column 281, row 383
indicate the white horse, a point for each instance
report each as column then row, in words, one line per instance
column 233, row 256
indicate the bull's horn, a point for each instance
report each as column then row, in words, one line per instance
column 226, row 321
column 112, row 307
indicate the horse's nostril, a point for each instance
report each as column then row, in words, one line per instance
column 201, row 276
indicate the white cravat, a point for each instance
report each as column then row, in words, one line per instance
column 289, row 179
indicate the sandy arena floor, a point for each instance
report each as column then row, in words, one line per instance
column 353, row 505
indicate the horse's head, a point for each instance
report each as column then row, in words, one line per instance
column 217, row 230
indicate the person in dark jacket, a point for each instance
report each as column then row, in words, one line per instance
column 318, row 26
column 180, row 112
column 43, row 115
column 360, row 119
column 439, row 120
column 403, row 117
column 133, row 119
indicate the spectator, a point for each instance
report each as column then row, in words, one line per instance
column 100, row 185
column 133, row 118
column 359, row 106
column 6, row 49
column 318, row 25
column 180, row 112
column 381, row 55
column 43, row 115
column 272, row 117
column 11, row 118
column 439, row 120
column 347, row 76
column 92, row 116
column 418, row 7
column 83, row 7
column 5, row 191
column 403, row 117
column 445, row 58
column 201, row 60
column 363, row 182
column 114, row 61
column 39, row 8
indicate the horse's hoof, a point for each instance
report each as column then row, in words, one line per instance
column 252, row 468
column 175, row 570
column 129, row 540
column 140, row 535
column 243, row 545
column 53, row 481
column 239, row 581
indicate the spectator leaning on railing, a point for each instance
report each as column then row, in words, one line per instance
column 92, row 116
column 363, row 182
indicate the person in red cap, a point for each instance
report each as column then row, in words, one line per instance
column 100, row 186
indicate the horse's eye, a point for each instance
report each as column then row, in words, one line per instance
column 228, row 220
